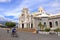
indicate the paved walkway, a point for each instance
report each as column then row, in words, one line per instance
column 26, row 36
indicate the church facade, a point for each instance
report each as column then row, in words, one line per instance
column 31, row 20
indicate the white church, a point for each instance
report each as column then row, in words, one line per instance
column 31, row 20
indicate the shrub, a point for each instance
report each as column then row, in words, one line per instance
column 57, row 30
column 47, row 29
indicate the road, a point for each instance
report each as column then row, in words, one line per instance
column 27, row 36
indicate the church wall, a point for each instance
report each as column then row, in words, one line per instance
column 35, row 23
column 53, row 22
column 27, row 19
column 46, row 21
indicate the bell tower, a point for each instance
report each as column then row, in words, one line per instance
column 24, row 18
column 25, row 10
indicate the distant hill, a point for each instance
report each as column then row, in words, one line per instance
column 3, row 21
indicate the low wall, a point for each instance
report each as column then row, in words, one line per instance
column 26, row 30
column 48, row 32
column 43, row 32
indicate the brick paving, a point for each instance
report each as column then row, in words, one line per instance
column 26, row 36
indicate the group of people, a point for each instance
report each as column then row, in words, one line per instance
column 13, row 32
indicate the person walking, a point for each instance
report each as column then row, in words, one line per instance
column 7, row 30
column 14, row 34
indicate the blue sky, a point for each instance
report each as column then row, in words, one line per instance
column 11, row 9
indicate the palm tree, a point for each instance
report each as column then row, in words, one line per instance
column 41, row 26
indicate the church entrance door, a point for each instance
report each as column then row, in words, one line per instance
column 50, row 23
column 22, row 25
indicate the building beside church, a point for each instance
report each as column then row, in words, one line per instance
column 31, row 20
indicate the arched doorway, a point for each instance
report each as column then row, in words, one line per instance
column 31, row 25
column 50, row 23
column 56, row 23
column 22, row 25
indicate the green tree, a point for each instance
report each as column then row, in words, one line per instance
column 10, row 24
column 41, row 26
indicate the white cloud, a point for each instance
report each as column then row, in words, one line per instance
column 1, row 9
column 2, row 18
column 52, row 7
column 55, row 4
column 12, row 13
column 32, row 5
column 5, row 0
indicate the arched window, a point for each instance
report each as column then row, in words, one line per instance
column 56, row 23
column 44, row 23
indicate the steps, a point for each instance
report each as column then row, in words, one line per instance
column 27, row 30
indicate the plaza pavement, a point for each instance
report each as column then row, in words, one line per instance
column 27, row 36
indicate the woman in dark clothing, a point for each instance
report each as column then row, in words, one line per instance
column 14, row 34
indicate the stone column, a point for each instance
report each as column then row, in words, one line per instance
column 33, row 23
column 59, row 23
column 25, row 25
column 30, row 25
column 18, row 25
